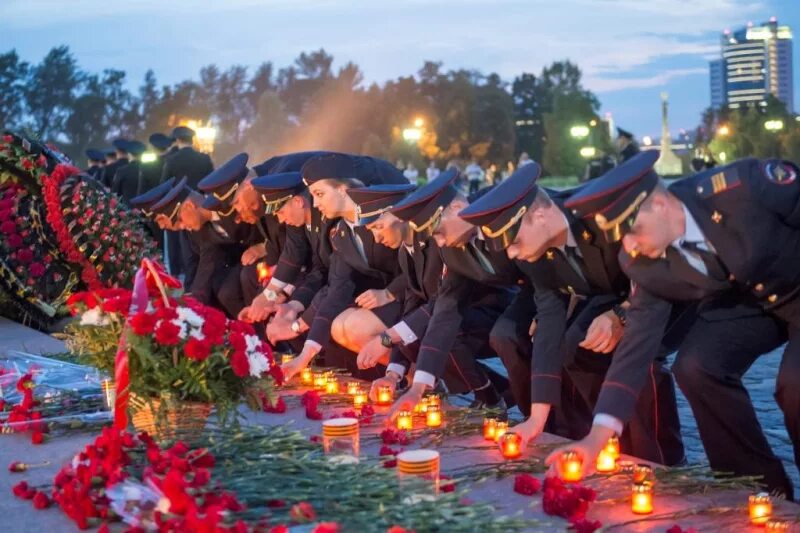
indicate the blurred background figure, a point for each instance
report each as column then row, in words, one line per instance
column 475, row 176
column 598, row 165
column 411, row 173
column 432, row 171
column 524, row 159
column 626, row 145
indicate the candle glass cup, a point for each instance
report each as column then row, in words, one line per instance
column 642, row 498
column 418, row 474
column 760, row 507
column 340, row 440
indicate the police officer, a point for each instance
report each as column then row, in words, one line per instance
column 626, row 145
column 186, row 161
column 151, row 171
column 116, row 161
column 126, row 180
column 214, row 242
column 477, row 286
column 96, row 160
column 145, row 201
column 730, row 238
column 580, row 294
column 361, row 268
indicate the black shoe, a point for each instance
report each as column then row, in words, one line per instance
column 498, row 406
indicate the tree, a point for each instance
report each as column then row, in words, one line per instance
column 265, row 136
column 530, row 103
column 50, row 92
column 13, row 73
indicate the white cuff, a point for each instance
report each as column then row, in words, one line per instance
column 608, row 421
column 288, row 289
column 278, row 284
column 420, row 376
column 406, row 335
column 313, row 344
column 398, row 369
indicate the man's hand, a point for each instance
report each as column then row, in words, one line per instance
column 386, row 381
column 254, row 253
column 296, row 365
column 372, row 353
column 532, row 328
column 407, row 401
column 258, row 311
column 531, row 428
column 374, row 298
column 604, row 333
column 289, row 309
column 587, row 448
column 280, row 329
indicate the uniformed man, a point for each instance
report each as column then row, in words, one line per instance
column 186, row 161
column 421, row 262
column 477, row 286
column 598, row 165
column 152, row 171
column 626, row 145
column 361, row 268
column 214, row 240
column 115, row 162
column 730, row 238
column 126, row 180
column 96, row 160
column 146, row 200
column 580, row 295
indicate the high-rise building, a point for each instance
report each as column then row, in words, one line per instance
column 756, row 61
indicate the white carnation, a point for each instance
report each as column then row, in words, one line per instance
column 184, row 329
column 189, row 316
column 94, row 317
column 258, row 363
column 197, row 334
column 253, row 342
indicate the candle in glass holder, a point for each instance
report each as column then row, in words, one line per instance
column 643, row 473
column 353, row 387
column 332, row 385
column 109, row 392
column 433, row 418
column 606, row 462
column 612, row 447
column 500, row 429
column 489, row 428
column 422, row 406
column 569, row 466
column 340, row 440
column 626, row 466
column 286, row 358
column 642, row 498
column 414, row 465
column 306, row 377
column 359, row 399
column 760, row 508
column 777, row 525
column 384, row 395
column 320, row 380
column 433, row 399
column 511, row 445
column 405, row 420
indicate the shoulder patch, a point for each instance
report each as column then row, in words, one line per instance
column 718, row 182
column 780, row 172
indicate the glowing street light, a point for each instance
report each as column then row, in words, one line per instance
column 593, row 122
column 204, row 136
column 419, row 122
column 579, row 132
column 412, row 134
column 773, row 125
column 588, row 151
column 724, row 130
column 148, row 157
column 647, row 140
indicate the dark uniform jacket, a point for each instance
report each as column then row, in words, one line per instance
column 150, row 174
column 111, row 170
column 187, row 162
column 752, row 220
column 629, row 151
column 317, row 237
column 95, row 172
column 348, row 276
column 126, row 181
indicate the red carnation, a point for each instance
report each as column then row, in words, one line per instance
column 313, row 414
column 27, row 164
column 41, row 501
column 37, row 270
column 585, row 526
column 526, row 484
column 167, row 333
column 278, row 407
column 398, row 529
column 385, row 450
column 143, row 323
column 201, row 458
column 302, row 512
column 5, row 214
column 21, row 490
column 281, row 528
column 14, row 241
column 25, row 255
column 8, row 227
column 240, row 364
column 197, row 350
column 447, row 484
column 678, row 529
column 8, row 139
column 327, row 527
column 37, row 437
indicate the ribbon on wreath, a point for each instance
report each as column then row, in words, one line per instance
column 150, row 275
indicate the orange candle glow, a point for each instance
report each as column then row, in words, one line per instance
column 489, row 428
column 643, row 473
column 286, row 358
column 384, row 395
column 306, row 376
column 511, row 445
column 422, row 406
column 262, row 270
column 359, row 399
column 433, row 399
column 606, row 462
column 332, row 385
column 760, row 508
column 353, row 387
column 405, row 420
column 500, row 429
column 777, row 525
column 433, row 418
column 642, row 498
column 320, row 380
column 612, row 447
column 569, row 466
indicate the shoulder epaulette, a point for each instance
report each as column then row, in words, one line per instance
column 718, row 182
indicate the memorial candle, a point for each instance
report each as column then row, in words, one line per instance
column 642, row 498
column 569, row 466
column 359, row 399
column 286, row 358
column 353, row 387
column 320, row 380
column 306, row 376
column 433, row 418
column 777, row 525
column 384, row 395
column 500, row 429
column 489, row 428
column 606, row 462
column 332, row 385
column 405, row 420
column 643, row 473
column 612, row 447
column 760, row 508
column 511, row 445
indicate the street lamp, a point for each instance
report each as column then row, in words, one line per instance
column 724, row 130
column 412, row 134
column 419, row 122
column 773, row 125
column 579, row 132
column 588, row 151
column 647, row 140
column 148, row 157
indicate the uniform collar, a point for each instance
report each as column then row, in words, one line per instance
column 571, row 242
column 692, row 231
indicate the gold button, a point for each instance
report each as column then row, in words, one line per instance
column 549, row 254
column 731, row 277
column 772, row 298
column 759, row 287
column 716, row 216
column 341, row 233
column 699, row 190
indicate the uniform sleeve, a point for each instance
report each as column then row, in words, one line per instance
column 166, row 171
column 781, row 198
column 209, row 258
column 293, row 257
column 397, row 287
column 630, row 366
column 448, row 313
column 337, row 298
column 547, row 361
